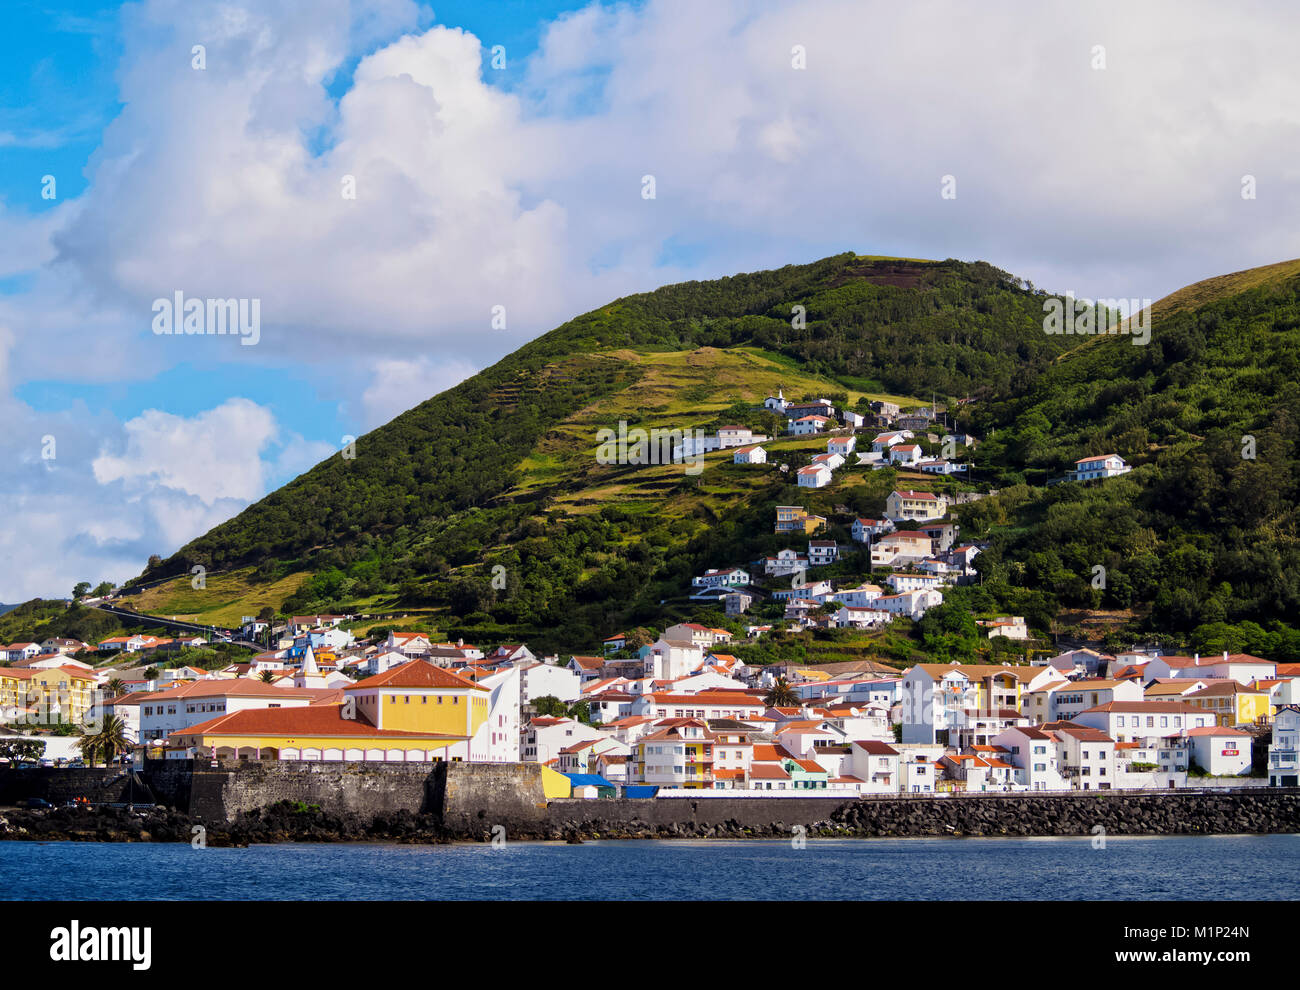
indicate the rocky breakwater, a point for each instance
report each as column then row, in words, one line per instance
column 283, row 822
column 1114, row 813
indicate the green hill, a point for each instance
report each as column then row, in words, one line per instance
column 1203, row 537
column 487, row 507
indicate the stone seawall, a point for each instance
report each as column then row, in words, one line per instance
column 447, row 801
column 1259, row 810
column 58, row 785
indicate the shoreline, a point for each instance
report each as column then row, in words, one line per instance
column 287, row 824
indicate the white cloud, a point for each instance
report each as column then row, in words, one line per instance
column 214, row 455
column 397, row 385
column 227, row 182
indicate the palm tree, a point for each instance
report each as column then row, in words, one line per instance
column 115, row 686
column 781, row 695
column 266, row 676
column 107, row 742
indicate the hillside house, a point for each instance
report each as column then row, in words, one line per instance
column 736, row 436
column 805, row 425
column 814, row 476
column 785, row 562
column 1099, row 466
column 905, row 454
column 831, row 461
column 900, row 549
column 822, row 552
column 864, row 529
column 752, row 454
column 796, row 519
column 730, row 577
column 901, row 505
column 841, row 445
column 1010, row 626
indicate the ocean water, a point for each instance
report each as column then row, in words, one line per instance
column 1174, row 868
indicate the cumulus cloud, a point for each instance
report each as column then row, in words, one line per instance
column 398, row 384
column 229, row 182
column 213, row 455
column 90, row 498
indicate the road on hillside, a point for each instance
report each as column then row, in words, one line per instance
column 154, row 620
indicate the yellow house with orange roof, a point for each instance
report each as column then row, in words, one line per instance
column 412, row 712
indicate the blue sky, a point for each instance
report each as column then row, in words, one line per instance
column 58, row 91
column 476, row 188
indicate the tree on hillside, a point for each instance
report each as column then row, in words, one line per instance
column 80, row 589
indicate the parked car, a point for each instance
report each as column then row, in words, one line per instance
column 78, row 764
column 38, row 804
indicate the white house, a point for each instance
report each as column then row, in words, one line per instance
column 832, row 461
column 667, row 660
column 884, row 441
column 851, row 617
column 1221, row 751
column 914, row 582
column 731, row 577
column 1010, row 626
column 809, row 424
column 537, row 680
column 859, row 597
column 1284, row 752
column 1240, row 667
column 1138, row 721
column 1085, row 755
column 841, row 445
column 906, row 454
column 822, row 552
column 901, row 548
column 810, row 589
column 736, row 436
column 1068, row 699
column 814, row 476
column 1099, row 466
column 865, row 529
column 912, row 604
column 874, row 763
column 1034, row 755
column 785, row 562
column 543, row 738
column 753, row 454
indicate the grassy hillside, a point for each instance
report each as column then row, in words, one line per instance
column 501, row 470
column 487, row 507
column 1202, row 539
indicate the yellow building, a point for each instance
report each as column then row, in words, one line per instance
column 45, row 696
column 1233, row 703
column 796, row 519
column 413, row 712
